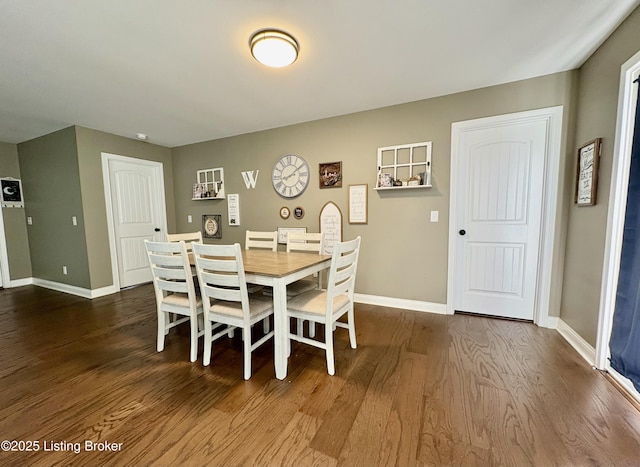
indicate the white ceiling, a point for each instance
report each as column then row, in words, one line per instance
column 182, row 72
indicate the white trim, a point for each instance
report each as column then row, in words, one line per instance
column 5, row 277
column 413, row 305
column 21, row 282
column 548, row 241
column 577, row 342
column 625, row 383
column 106, row 158
column 73, row 290
column 617, row 206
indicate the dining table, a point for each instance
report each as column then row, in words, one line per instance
column 277, row 269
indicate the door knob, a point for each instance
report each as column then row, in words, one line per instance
column 462, row 232
column 157, row 229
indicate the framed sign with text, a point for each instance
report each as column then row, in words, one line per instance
column 587, row 173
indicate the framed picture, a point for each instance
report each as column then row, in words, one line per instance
column 587, row 173
column 330, row 175
column 298, row 212
column 211, row 226
column 11, row 193
column 358, row 209
column 283, row 231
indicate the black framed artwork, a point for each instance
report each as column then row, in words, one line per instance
column 211, row 226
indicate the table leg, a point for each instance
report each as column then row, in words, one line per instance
column 280, row 327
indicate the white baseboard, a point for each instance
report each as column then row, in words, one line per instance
column 73, row 290
column 21, row 282
column 577, row 342
column 414, row 305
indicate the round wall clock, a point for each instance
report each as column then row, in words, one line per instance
column 284, row 212
column 290, row 176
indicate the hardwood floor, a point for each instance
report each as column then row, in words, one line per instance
column 420, row 390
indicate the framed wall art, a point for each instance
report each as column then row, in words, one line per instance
column 211, row 226
column 11, row 193
column 358, row 209
column 283, row 231
column 587, row 173
column 330, row 175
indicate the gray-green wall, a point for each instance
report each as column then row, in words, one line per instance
column 596, row 118
column 91, row 144
column 51, row 184
column 62, row 178
column 404, row 255
column 15, row 223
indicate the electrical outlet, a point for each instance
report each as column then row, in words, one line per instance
column 64, row 270
column 74, row 220
column 189, row 219
column 29, row 221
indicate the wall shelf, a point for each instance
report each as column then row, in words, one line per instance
column 209, row 184
column 409, row 164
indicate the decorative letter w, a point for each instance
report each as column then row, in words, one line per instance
column 249, row 179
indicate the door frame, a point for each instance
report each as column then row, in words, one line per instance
column 106, row 178
column 625, row 122
column 544, row 302
column 5, row 279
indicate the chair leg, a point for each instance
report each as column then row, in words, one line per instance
column 193, row 323
column 352, row 328
column 246, row 337
column 162, row 316
column 208, row 344
column 328, row 338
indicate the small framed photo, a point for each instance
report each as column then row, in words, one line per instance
column 298, row 212
column 211, row 226
column 587, row 173
column 330, row 175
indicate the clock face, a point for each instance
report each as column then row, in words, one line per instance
column 290, row 176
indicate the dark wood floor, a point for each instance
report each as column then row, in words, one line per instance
column 420, row 390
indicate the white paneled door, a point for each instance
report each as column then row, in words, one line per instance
column 500, row 174
column 137, row 207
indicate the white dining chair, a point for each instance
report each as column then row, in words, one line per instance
column 226, row 300
column 261, row 240
column 187, row 238
column 327, row 306
column 305, row 242
column 174, row 290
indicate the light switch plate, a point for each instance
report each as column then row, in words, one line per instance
column 434, row 216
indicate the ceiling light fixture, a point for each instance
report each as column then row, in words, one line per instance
column 141, row 136
column 274, row 48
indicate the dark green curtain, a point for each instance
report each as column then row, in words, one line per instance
column 625, row 334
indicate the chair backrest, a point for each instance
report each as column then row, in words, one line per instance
column 170, row 269
column 303, row 241
column 261, row 240
column 221, row 274
column 342, row 272
column 187, row 238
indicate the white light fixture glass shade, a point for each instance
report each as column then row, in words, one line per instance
column 274, row 48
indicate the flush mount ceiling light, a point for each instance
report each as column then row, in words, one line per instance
column 274, row 48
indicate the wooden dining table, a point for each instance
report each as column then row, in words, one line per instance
column 277, row 269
